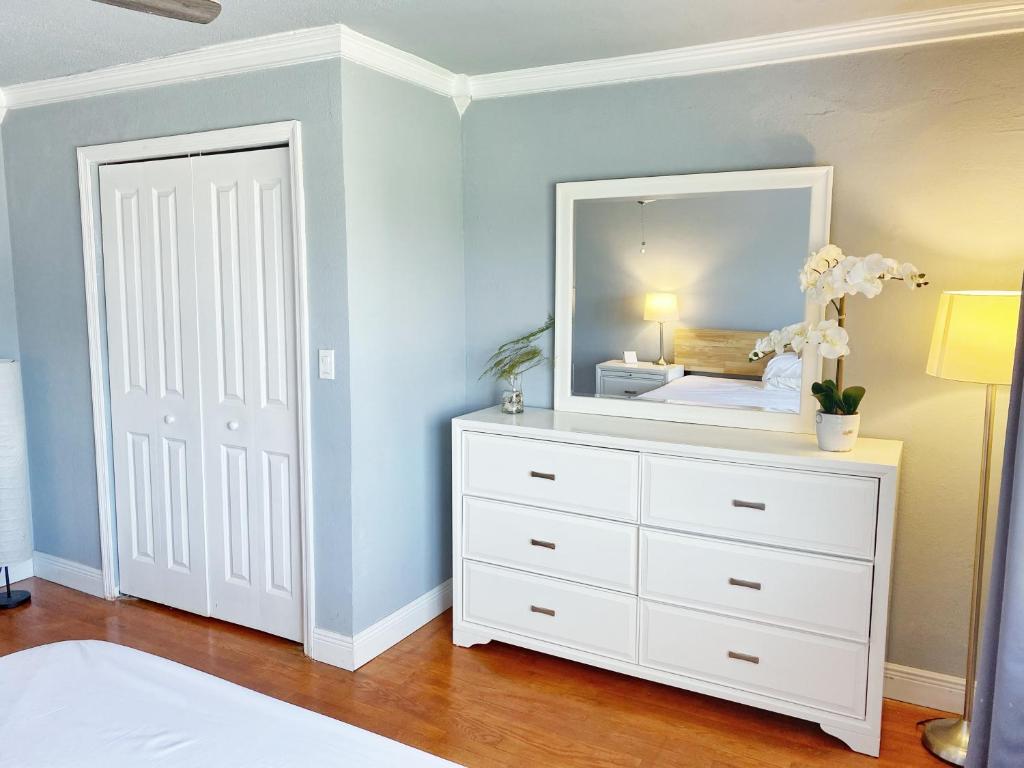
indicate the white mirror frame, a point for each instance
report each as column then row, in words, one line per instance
column 818, row 180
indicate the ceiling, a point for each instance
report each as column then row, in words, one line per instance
column 41, row 39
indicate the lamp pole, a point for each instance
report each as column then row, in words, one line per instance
column 948, row 738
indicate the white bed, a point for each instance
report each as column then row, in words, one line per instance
column 90, row 704
column 721, row 392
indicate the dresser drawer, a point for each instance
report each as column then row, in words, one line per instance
column 548, row 609
column 808, row 669
column 573, row 547
column 573, row 478
column 805, row 510
column 812, row 592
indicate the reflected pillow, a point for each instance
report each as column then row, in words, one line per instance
column 782, row 382
column 784, row 371
column 788, row 365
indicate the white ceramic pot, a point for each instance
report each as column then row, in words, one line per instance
column 837, row 432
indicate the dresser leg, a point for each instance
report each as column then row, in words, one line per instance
column 859, row 741
column 467, row 638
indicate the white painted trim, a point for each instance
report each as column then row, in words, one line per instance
column 20, row 571
column 924, row 688
column 89, row 159
column 351, row 653
column 339, row 41
column 68, row 574
column 957, row 23
column 363, row 50
column 818, row 180
column 333, row 648
column 267, row 52
column 391, row 630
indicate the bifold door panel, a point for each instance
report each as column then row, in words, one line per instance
column 199, row 275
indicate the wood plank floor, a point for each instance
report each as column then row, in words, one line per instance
column 491, row 705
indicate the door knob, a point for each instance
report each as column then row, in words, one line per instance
column 232, row 425
column 168, row 419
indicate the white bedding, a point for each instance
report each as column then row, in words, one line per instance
column 87, row 704
column 727, row 393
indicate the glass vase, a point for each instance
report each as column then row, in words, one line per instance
column 512, row 398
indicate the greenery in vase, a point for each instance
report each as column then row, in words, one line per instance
column 516, row 357
column 828, row 278
column 834, row 402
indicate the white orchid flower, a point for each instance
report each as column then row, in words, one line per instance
column 833, row 341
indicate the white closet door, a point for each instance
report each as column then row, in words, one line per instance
column 150, row 278
column 247, row 343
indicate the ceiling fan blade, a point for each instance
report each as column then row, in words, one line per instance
column 198, row 11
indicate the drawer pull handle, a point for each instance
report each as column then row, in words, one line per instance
column 543, row 475
column 744, row 657
column 748, row 504
column 545, row 611
column 631, row 392
column 539, row 543
column 745, row 583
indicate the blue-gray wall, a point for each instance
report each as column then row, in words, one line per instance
column 407, row 313
column 728, row 257
column 928, row 147
column 39, row 146
column 8, row 319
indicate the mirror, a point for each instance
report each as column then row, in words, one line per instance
column 664, row 285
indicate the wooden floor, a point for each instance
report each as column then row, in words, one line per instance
column 491, row 705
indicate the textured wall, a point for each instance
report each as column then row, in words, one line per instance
column 928, row 147
column 729, row 258
column 39, row 148
column 407, row 315
column 8, row 319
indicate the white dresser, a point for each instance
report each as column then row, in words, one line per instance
column 742, row 564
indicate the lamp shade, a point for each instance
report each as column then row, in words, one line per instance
column 15, row 522
column 661, row 307
column 974, row 336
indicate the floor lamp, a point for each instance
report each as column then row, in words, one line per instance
column 15, row 523
column 973, row 341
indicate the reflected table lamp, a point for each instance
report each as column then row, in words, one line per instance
column 661, row 308
column 973, row 341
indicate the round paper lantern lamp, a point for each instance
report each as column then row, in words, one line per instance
column 15, row 520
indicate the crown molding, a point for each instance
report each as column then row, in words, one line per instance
column 279, row 50
column 339, row 41
column 909, row 29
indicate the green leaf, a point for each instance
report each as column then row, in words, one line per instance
column 851, row 399
column 827, row 394
column 518, row 355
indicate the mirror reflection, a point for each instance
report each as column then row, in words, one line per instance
column 671, row 293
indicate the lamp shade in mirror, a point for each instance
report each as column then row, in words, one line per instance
column 974, row 336
column 661, row 307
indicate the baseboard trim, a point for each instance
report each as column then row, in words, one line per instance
column 926, row 689
column 393, row 629
column 353, row 652
column 68, row 574
column 332, row 648
column 19, row 571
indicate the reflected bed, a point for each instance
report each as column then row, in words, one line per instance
column 719, row 392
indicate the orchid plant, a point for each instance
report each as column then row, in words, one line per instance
column 828, row 277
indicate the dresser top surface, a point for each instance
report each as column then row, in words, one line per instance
column 870, row 455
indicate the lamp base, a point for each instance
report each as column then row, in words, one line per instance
column 947, row 739
column 661, row 361
column 15, row 598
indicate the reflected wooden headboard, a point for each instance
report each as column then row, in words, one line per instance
column 709, row 350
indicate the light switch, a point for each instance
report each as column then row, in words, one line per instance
column 326, row 363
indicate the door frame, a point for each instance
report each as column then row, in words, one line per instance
column 90, row 158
